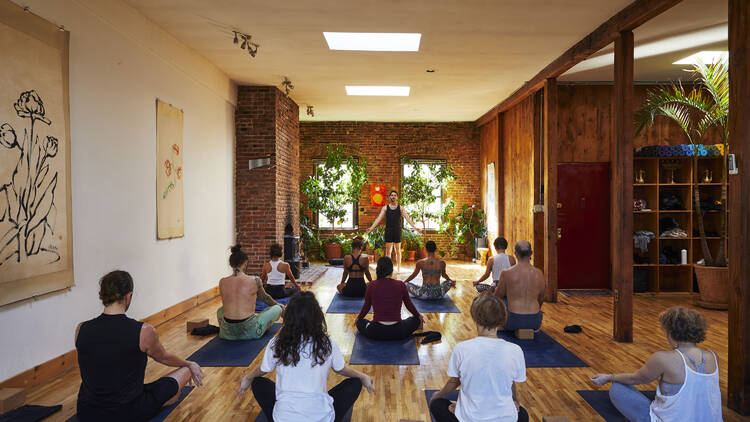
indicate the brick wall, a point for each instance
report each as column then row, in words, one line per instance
column 266, row 125
column 384, row 144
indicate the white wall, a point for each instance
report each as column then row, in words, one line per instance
column 119, row 64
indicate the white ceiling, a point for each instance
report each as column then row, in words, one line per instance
column 482, row 50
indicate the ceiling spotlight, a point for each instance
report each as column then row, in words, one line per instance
column 310, row 111
column 287, row 85
column 252, row 48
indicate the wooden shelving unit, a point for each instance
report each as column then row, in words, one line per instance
column 674, row 278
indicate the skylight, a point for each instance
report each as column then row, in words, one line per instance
column 395, row 91
column 707, row 57
column 372, row 41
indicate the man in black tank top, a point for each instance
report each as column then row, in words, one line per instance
column 393, row 214
column 356, row 268
column 112, row 354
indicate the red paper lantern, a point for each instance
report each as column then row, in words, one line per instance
column 377, row 195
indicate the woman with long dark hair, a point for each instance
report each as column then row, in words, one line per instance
column 386, row 295
column 301, row 354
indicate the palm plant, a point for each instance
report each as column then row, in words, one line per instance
column 704, row 107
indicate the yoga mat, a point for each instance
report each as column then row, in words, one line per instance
column 347, row 417
column 220, row 352
column 367, row 351
column 346, row 305
column 167, row 410
column 444, row 305
column 260, row 306
column 599, row 400
column 29, row 413
column 453, row 396
column 544, row 351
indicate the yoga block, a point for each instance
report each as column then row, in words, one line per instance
column 525, row 334
column 11, row 398
column 196, row 323
column 555, row 419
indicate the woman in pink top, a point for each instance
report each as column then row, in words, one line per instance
column 385, row 295
column 688, row 388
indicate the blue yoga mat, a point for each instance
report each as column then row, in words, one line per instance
column 444, row 305
column 367, row 351
column 599, row 400
column 159, row 416
column 220, row 352
column 347, row 418
column 260, row 306
column 544, row 351
column 29, row 412
column 451, row 396
column 345, row 305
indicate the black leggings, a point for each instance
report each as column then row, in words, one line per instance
column 441, row 413
column 278, row 291
column 397, row 331
column 344, row 395
column 355, row 287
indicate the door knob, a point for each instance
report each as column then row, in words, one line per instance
column 559, row 233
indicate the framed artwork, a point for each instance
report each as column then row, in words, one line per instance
column 169, row 193
column 36, row 236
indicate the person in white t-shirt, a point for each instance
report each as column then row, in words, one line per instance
column 487, row 368
column 301, row 354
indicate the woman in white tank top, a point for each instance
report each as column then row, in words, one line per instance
column 688, row 388
column 274, row 274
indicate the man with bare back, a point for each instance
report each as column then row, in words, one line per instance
column 524, row 286
column 237, row 317
column 393, row 214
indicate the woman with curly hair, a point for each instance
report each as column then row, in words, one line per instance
column 302, row 353
column 688, row 386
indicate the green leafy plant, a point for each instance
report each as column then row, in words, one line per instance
column 311, row 244
column 376, row 238
column 704, row 107
column 468, row 224
column 411, row 241
column 422, row 187
column 338, row 180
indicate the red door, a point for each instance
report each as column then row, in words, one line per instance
column 583, row 226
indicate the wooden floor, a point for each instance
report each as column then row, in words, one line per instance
column 547, row 391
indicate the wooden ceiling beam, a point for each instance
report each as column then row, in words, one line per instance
column 629, row 18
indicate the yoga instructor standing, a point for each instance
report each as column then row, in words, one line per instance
column 393, row 214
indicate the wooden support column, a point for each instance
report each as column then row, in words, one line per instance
column 621, row 190
column 551, row 147
column 738, row 388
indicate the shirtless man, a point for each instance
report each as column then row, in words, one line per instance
column 356, row 268
column 237, row 318
column 393, row 214
column 495, row 265
column 524, row 285
column 432, row 268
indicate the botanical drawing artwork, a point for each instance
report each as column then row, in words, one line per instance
column 169, row 192
column 27, row 198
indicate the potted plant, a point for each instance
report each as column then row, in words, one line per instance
column 412, row 243
column 424, row 185
column 339, row 180
column 311, row 245
column 704, row 107
column 376, row 241
column 466, row 226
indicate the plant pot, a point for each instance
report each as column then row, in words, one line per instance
column 422, row 253
column 713, row 283
column 410, row 255
column 333, row 250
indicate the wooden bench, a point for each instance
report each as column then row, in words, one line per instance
column 525, row 334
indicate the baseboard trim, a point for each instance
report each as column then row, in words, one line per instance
column 69, row 361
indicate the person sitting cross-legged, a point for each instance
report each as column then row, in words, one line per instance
column 487, row 368
column 274, row 274
column 302, row 353
column 524, row 286
column 356, row 268
column 495, row 265
column 431, row 268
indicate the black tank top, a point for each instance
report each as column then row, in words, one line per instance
column 111, row 361
column 355, row 261
column 393, row 218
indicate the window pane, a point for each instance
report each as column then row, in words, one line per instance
column 434, row 207
column 347, row 222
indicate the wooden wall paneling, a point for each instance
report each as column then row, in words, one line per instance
column 738, row 390
column 500, row 175
column 551, row 147
column 538, row 241
column 629, row 18
column 621, row 239
column 584, row 123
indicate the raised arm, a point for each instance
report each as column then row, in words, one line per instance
column 150, row 344
column 263, row 296
column 291, row 276
column 417, row 269
column 408, row 220
column 377, row 220
column 653, row 369
column 487, row 272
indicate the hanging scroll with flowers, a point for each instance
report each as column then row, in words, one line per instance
column 36, row 242
column 169, row 199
